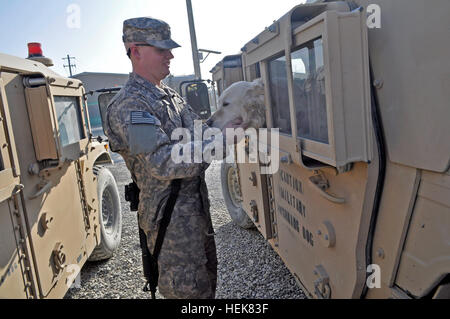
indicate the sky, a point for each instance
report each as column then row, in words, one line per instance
column 91, row 30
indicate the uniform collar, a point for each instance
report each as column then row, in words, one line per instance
column 159, row 93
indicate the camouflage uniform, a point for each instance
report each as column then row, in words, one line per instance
column 140, row 120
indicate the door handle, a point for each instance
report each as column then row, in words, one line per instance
column 42, row 190
column 320, row 184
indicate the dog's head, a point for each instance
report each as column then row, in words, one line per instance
column 242, row 102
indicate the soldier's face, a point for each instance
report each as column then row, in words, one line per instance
column 155, row 61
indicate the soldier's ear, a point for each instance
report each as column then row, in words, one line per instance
column 134, row 51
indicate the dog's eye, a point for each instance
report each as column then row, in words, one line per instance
column 225, row 104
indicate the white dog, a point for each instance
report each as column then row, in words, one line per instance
column 243, row 103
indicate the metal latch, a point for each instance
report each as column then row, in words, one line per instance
column 254, row 209
column 321, row 184
column 322, row 285
column 59, row 257
column 253, row 179
column 43, row 187
column 45, row 221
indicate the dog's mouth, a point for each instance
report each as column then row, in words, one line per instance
column 237, row 121
column 234, row 123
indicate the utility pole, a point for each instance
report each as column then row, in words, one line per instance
column 197, row 71
column 70, row 65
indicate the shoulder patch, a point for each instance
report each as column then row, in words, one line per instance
column 143, row 117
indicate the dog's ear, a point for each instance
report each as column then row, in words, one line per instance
column 254, row 106
column 257, row 88
column 258, row 82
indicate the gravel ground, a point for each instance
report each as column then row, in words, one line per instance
column 247, row 265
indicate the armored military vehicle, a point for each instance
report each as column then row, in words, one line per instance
column 59, row 206
column 359, row 91
column 227, row 71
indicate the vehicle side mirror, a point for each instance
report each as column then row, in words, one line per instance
column 197, row 97
column 103, row 101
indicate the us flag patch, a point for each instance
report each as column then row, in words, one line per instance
column 142, row 117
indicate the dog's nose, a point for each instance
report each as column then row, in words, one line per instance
column 209, row 122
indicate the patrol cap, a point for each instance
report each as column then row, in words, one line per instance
column 149, row 30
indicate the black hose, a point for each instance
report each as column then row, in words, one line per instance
column 379, row 136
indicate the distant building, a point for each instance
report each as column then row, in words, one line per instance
column 93, row 81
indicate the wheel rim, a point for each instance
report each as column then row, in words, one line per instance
column 234, row 189
column 108, row 216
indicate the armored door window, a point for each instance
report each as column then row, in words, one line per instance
column 279, row 97
column 9, row 165
column 253, row 71
column 309, row 91
column 103, row 101
column 85, row 114
column 219, row 87
column 331, row 89
column 69, row 119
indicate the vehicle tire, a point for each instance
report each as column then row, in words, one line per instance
column 232, row 195
column 110, row 215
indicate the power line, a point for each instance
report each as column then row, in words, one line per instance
column 70, row 65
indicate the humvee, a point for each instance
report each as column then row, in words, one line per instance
column 359, row 91
column 59, row 206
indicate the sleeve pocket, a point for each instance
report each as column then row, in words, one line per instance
column 142, row 138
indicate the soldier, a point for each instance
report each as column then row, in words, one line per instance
column 139, row 123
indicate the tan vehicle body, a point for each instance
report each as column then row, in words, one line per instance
column 49, row 210
column 370, row 194
column 227, row 72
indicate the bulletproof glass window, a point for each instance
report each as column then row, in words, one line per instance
column 103, row 101
column 279, row 97
column 254, row 71
column 85, row 114
column 70, row 122
column 309, row 91
column 219, row 87
column 257, row 70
